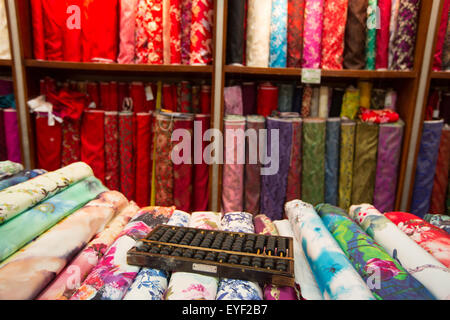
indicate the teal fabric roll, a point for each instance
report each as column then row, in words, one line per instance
column 25, row 227
column 285, row 97
column 278, row 34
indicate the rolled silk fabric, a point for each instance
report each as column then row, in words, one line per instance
column 200, row 178
column 233, row 289
column 278, row 34
column 446, row 50
column 5, row 51
column 382, row 41
column 235, row 32
column 378, row 99
column 39, row 269
column 143, row 158
column 426, row 166
column 37, row 21
column 296, row 11
column 285, row 96
column 164, row 166
column 313, row 166
column 419, row 263
column 93, row 141
column 127, row 29
column 233, row 100
column 150, row 284
column 294, row 183
column 252, row 182
column 365, row 93
column 369, row 259
column 12, row 135
column 312, row 34
column 323, row 253
column 405, row 38
column 71, row 142
column 186, row 97
column 31, row 223
column 53, row 24
column 48, row 144
column 371, row 34
column 324, row 97
column 166, row 30
column 17, row 199
column 191, row 286
column 365, row 163
column 440, row 184
column 315, row 100
column 264, row 225
column 112, row 276
column 126, row 150
column 306, row 101
column 201, row 32
column 346, row 157
column 267, row 100
column 336, row 102
column 350, row 103
column 431, row 238
column 234, row 165
column 72, row 50
column 3, row 151
column 333, row 134
column 277, row 158
column 149, row 32
column 182, row 184
column 355, row 35
column 305, row 281
column 20, row 177
column 258, row 33
column 186, row 19
column 9, row 169
column 62, row 288
column 297, row 100
column 393, row 31
column 175, row 31
column 388, row 160
column 112, row 157
column 441, row 33
column 249, row 98
column 439, row 220
column 333, row 35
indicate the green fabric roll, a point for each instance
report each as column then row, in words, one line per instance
column 365, row 163
column 313, row 169
column 25, row 227
column 346, row 154
column 371, row 36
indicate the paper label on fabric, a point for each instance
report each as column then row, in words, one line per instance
column 204, row 268
column 149, row 93
column 311, row 76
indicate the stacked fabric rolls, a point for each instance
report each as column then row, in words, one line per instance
column 9, row 126
column 5, row 51
column 338, row 34
column 284, row 142
column 441, row 59
column 124, row 31
column 123, row 131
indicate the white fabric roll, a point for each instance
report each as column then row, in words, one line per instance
column 258, row 33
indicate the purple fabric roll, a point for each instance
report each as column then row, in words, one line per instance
column 444, row 108
column 249, row 98
column 12, row 135
column 3, row 151
column 274, row 181
column 233, row 100
column 389, row 151
column 6, row 87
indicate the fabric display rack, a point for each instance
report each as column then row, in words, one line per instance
column 102, row 94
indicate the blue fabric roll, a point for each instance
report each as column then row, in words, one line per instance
column 278, row 34
column 285, row 97
column 426, row 167
column 332, row 161
column 20, row 177
column 297, row 100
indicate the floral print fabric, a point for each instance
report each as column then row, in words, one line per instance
column 71, row 151
column 369, row 259
column 294, row 191
column 346, row 159
column 258, row 33
column 312, row 34
column 371, row 34
column 9, row 168
column 175, row 31
column 278, row 34
column 296, row 11
column 201, row 32
column 149, row 38
column 20, row 177
column 164, row 167
column 419, row 263
column 112, row 165
column 126, row 136
column 439, row 220
column 186, row 19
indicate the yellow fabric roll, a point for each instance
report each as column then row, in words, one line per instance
column 346, row 163
column 365, row 93
column 350, row 103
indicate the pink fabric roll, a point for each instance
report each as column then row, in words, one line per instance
column 233, row 168
column 437, row 61
column 382, row 53
column 127, row 29
column 12, row 135
column 312, row 34
column 233, row 100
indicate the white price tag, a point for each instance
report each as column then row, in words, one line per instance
column 311, row 76
column 149, row 93
column 204, row 268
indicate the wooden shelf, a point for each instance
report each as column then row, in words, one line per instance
column 5, row 63
column 440, row 75
column 296, row 72
column 115, row 67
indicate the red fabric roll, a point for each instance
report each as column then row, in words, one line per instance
column 114, row 96
column 137, row 94
column 196, row 99
column 93, row 92
column 182, row 184
column 105, row 97
column 382, row 53
column 440, row 185
column 175, row 31
column 67, row 104
column 150, row 96
column 71, row 142
column 112, row 168
column 48, row 144
column 437, row 62
column 72, row 31
column 169, row 97
column 143, row 158
column 163, row 162
column 123, row 92
column 267, row 99
column 93, row 141
column 37, row 22
column 200, row 178
column 54, row 17
column 201, row 32
column 126, row 150
column 293, row 190
column 205, row 99
column 100, row 32
column 296, row 9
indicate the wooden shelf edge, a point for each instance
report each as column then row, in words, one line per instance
column 296, row 72
column 440, row 75
column 6, row 62
column 31, row 63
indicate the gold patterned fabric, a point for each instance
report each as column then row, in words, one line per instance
column 346, row 163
